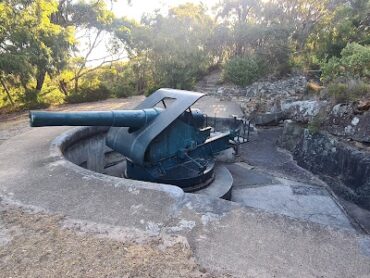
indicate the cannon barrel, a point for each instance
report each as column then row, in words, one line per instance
column 118, row 118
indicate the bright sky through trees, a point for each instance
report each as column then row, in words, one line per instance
column 139, row 7
column 55, row 51
column 135, row 10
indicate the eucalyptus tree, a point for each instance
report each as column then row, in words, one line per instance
column 93, row 21
column 31, row 45
column 37, row 38
column 348, row 22
column 172, row 48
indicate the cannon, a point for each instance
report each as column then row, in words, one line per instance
column 163, row 139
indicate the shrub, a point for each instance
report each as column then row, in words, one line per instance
column 348, row 91
column 123, row 90
column 338, row 91
column 242, row 70
column 31, row 100
column 353, row 64
column 316, row 123
column 86, row 94
column 51, row 95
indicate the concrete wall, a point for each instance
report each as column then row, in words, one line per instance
column 86, row 148
column 343, row 166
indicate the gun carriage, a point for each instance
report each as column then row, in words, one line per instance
column 169, row 144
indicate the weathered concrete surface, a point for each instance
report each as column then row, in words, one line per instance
column 60, row 186
column 271, row 180
column 263, row 152
column 213, row 107
column 299, row 201
column 221, row 186
column 224, row 236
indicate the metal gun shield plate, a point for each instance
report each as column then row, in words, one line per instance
column 135, row 143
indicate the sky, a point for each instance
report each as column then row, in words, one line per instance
column 135, row 10
column 139, row 7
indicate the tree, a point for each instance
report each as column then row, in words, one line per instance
column 31, row 45
column 236, row 12
column 177, row 54
column 95, row 22
column 37, row 38
column 346, row 23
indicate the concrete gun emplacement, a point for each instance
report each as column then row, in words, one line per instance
column 171, row 144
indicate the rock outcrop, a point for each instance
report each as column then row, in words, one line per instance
column 284, row 87
column 343, row 166
column 304, row 110
column 346, row 121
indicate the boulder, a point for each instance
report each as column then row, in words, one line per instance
column 292, row 134
column 363, row 105
column 268, row 119
column 303, row 111
column 344, row 122
column 290, row 86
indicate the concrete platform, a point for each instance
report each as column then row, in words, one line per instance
column 225, row 236
column 221, row 186
column 213, row 107
column 33, row 173
column 258, row 189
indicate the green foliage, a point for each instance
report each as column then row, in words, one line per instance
column 340, row 24
column 349, row 91
column 120, row 79
column 177, row 54
column 353, row 63
column 339, row 92
column 32, row 43
column 41, row 61
column 315, row 125
column 88, row 94
column 36, row 39
column 356, row 60
column 242, row 70
column 257, row 29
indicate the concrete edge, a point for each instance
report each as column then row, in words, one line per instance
column 73, row 135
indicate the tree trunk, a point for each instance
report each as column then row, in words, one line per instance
column 63, row 87
column 76, row 85
column 7, row 91
column 40, row 80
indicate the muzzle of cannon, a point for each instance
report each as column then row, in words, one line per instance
column 171, row 144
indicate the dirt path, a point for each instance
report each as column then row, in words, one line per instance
column 35, row 245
